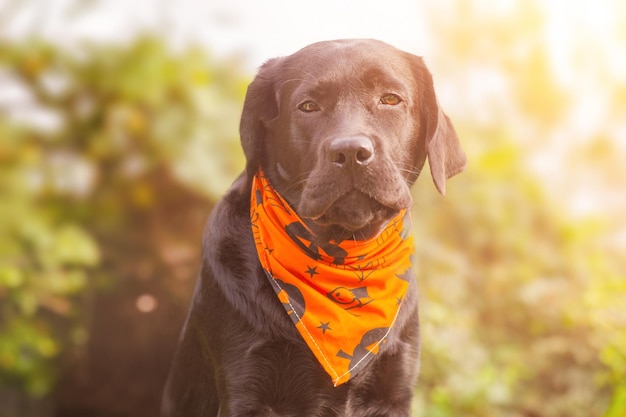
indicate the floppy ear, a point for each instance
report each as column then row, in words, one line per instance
column 259, row 107
column 445, row 156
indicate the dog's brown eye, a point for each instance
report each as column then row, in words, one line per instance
column 390, row 99
column 308, row 107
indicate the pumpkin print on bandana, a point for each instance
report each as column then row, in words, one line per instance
column 342, row 297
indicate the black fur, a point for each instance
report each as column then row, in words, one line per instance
column 239, row 353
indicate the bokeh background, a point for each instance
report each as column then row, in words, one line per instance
column 119, row 132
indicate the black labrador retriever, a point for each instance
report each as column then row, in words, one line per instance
column 334, row 136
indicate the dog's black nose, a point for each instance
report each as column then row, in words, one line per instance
column 347, row 151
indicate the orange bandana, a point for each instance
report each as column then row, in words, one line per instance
column 343, row 298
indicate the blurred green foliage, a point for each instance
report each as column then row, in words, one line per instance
column 95, row 142
column 523, row 305
column 522, row 309
column 107, row 148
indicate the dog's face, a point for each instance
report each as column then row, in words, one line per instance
column 342, row 130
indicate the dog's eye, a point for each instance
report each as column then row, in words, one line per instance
column 390, row 99
column 308, row 107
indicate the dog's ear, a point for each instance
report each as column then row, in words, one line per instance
column 260, row 106
column 445, row 156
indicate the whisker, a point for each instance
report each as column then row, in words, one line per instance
column 415, row 172
column 312, row 79
column 292, row 80
column 309, row 74
column 298, row 182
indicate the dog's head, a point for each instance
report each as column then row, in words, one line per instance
column 342, row 130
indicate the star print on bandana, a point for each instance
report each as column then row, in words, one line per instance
column 324, row 327
column 358, row 286
column 312, row 271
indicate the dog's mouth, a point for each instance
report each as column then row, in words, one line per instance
column 355, row 211
column 354, row 215
column 356, row 203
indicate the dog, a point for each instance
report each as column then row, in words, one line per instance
column 334, row 137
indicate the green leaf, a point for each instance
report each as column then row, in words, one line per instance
column 10, row 276
column 618, row 403
column 74, row 246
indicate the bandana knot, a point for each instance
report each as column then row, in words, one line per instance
column 343, row 298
